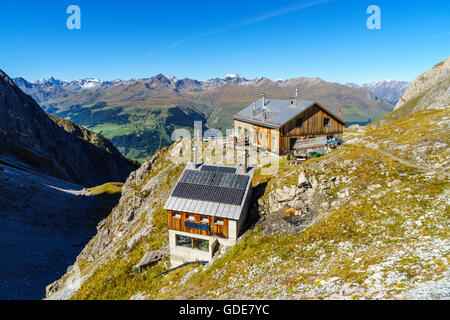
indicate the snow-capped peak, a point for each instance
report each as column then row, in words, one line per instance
column 230, row 75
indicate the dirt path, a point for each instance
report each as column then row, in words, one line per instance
column 422, row 168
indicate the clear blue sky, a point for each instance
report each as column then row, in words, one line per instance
column 206, row 39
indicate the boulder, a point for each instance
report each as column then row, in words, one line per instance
column 303, row 182
column 149, row 259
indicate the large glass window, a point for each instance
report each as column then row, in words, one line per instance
column 188, row 242
column 183, row 241
column 201, row 244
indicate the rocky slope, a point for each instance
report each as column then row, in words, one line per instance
column 366, row 221
column 86, row 135
column 139, row 115
column 28, row 135
column 359, row 223
column 430, row 90
column 44, row 224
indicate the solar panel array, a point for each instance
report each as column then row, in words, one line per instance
column 212, row 186
column 218, row 169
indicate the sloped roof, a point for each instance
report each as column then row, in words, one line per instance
column 277, row 112
column 211, row 192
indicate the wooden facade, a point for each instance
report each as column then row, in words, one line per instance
column 176, row 221
column 313, row 122
column 312, row 125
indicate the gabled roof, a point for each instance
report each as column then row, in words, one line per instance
column 277, row 112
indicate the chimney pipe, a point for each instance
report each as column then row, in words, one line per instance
column 195, row 156
column 296, row 93
column 245, row 160
column 263, row 100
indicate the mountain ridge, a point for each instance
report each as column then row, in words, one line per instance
column 29, row 135
column 389, row 90
column 139, row 115
column 430, row 90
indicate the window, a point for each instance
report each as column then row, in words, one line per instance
column 204, row 220
column 239, row 131
column 193, row 243
column 245, row 133
column 274, row 144
column 200, row 244
column 176, row 215
column 190, row 217
column 299, row 123
column 326, row 122
column 183, row 241
column 219, row 222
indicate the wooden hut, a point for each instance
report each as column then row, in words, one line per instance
column 276, row 125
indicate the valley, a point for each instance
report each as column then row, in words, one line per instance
column 131, row 113
column 44, row 224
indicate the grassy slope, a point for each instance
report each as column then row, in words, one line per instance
column 378, row 244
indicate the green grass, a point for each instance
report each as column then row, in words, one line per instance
column 405, row 110
column 110, row 188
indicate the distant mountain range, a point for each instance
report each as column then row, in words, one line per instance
column 389, row 90
column 30, row 138
column 139, row 115
column 44, row 90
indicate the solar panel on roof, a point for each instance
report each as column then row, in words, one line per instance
column 206, row 167
column 226, row 169
column 212, row 184
column 209, row 193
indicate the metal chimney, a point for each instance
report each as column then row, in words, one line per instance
column 245, row 160
column 263, row 101
column 195, row 156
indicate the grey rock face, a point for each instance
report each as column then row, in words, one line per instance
column 430, row 90
column 29, row 135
